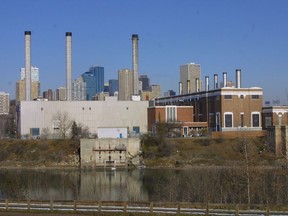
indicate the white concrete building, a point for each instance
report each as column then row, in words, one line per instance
column 40, row 115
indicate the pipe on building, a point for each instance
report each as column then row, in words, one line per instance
column 180, row 88
column 216, row 81
column 197, row 85
column 28, row 65
column 238, row 78
column 206, row 83
column 135, row 63
column 68, row 66
column 224, row 79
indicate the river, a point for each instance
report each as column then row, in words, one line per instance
column 200, row 185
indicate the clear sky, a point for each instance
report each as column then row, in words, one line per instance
column 221, row 35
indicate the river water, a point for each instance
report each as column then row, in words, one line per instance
column 201, row 185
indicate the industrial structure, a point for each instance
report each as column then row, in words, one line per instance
column 224, row 109
column 135, row 64
column 69, row 66
column 41, row 116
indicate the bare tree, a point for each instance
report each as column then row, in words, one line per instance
column 63, row 122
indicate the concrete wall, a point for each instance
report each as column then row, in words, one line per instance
column 109, row 152
column 94, row 114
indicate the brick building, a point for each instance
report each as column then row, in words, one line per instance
column 274, row 116
column 224, row 109
column 179, row 117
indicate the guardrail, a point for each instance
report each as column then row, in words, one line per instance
column 143, row 207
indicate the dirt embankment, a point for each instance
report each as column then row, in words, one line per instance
column 180, row 153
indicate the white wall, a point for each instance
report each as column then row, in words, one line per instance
column 94, row 114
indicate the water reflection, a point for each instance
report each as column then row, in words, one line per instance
column 201, row 185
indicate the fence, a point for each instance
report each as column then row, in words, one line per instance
column 143, row 207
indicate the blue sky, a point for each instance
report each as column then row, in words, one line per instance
column 221, row 35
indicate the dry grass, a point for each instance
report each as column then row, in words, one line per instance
column 204, row 151
column 35, row 152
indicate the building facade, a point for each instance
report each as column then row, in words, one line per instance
column 94, row 80
column 274, row 116
column 40, row 115
column 79, row 92
column 180, row 118
column 113, row 87
column 4, row 103
column 21, row 90
column 225, row 109
column 60, row 94
column 190, row 78
column 145, row 82
column 34, row 74
column 125, row 78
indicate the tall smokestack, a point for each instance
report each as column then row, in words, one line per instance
column 68, row 66
column 180, row 88
column 224, row 79
column 216, row 81
column 135, row 63
column 238, row 78
column 28, row 65
column 206, row 83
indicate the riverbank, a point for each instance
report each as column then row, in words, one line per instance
column 179, row 153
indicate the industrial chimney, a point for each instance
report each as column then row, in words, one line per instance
column 216, row 81
column 28, row 65
column 135, row 63
column 238, row 78
column 68, row 66
column 206, row 83
column 224, row 79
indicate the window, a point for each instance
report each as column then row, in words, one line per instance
column 268, row 121
column 228, row 97
column 171, row 115
column 242, row 119
column 254, row 97
column 228, row 118
column 241, row 96
column 255, row 120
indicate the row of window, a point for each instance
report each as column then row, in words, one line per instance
column 228, row 120
column 254, row 97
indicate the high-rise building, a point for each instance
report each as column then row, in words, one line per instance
column 190, row 78
column 61, row 94
column 34, row 74
column 20, row 90
column 145, row 82
column 4, row 103
column 34, row 88
column 94, row 80
column 169, row 93
column 48, row 95
column 106, row 87
column 113, row 87
column 79, row 89
column 125, row 78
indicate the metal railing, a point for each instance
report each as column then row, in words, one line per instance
column 143, row 207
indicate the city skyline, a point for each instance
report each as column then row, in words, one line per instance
column 218, row 35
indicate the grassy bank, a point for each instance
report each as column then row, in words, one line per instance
column 39, row 153
column 173, row 152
